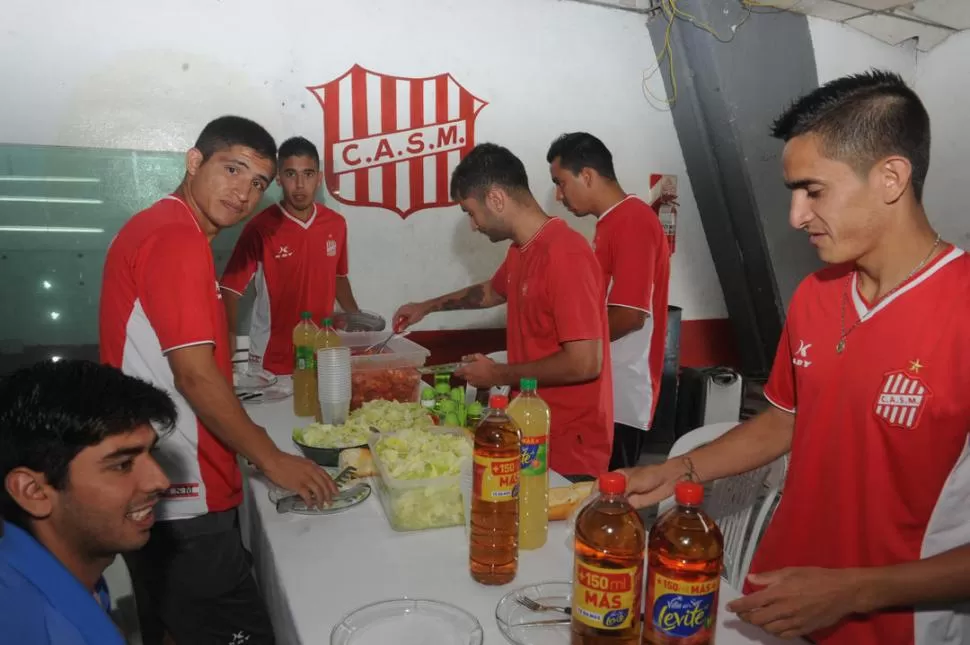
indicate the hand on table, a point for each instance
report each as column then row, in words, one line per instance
column 480, row 371
column 408, row 315
column 301, row 476
column 794, row 602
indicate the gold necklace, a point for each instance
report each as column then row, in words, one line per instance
column 840, row 347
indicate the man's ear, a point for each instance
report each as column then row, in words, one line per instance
column 30, row 490
column 193, row 161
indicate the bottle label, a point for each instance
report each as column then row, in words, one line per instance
column 496, row 479
column 305, row 358
column 682, row 609
column 535, row 453
column 606, row 598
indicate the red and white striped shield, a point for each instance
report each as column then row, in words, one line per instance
column 902, row 399
column 393, row 142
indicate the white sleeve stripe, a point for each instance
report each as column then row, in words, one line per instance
column 779, row 406
column 614, row 304
column 225, row 288
column 166, row 350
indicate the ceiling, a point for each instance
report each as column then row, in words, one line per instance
column 930, row 22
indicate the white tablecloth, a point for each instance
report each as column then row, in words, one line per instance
column 315, row 570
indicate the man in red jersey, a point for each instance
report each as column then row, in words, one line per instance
column 162, row 320
column 871, row 542
column 297, row 252
column 556, row 330
column 633, row 252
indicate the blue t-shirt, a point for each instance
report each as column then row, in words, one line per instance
column 42, row 603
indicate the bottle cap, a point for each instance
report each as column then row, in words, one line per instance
column 498, row 401
column 306, row 315
column 612, row 483
column 328, row 322
column 689, row 493
column 528, row 384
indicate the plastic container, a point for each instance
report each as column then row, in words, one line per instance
column 684, row 556
column 391, row 375
column 608, row 572
column 418, row 504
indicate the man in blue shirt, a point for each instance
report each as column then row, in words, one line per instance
column 78, row 487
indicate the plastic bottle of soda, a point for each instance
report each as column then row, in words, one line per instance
column 304, row 366
column 608, row 573
column 684, row 555
column 493, row 554
column 531, row 414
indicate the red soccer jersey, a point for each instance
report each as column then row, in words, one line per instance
column 633, row 251
column 554, row 289
column 159, row 294
column 295, row 265
column 879, row 472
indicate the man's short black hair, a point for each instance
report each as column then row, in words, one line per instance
column 228, row 131
column 863, row 118
column 578, row 150
column 298, row 147
column 488, row 165
column 49, row 412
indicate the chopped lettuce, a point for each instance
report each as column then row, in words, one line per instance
column 425, row 508
column 383, row 415
column 421, row 454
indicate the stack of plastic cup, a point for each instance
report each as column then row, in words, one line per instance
column 333, row 384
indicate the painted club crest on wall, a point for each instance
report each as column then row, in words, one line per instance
column 393, row 142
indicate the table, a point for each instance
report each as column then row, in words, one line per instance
column 313, row 570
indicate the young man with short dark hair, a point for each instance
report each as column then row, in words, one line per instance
column 162, row 320
column 871, row 542
column 633, row 252
column 556, row 324
column 79, row 487
column 295, row 252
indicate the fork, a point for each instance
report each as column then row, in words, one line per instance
column 532, row 605
column 342, row 477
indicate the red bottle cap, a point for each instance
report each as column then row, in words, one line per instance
column 612, row 483
column 689, row 493
column 498, row 401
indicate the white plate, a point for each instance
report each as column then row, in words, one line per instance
column 252, row 381
column 509, row 614
column 407, row 621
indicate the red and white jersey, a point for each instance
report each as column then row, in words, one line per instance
column 880, row 467
column 159, row 293
column 632, row 250
column 295, row 265
column 554, row 289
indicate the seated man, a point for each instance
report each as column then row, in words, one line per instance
column 79, row 486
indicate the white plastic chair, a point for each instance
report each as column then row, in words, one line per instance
column 732, row 501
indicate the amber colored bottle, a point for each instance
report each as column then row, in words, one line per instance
column 493, row 553
column 684, row 555
column 608, row 573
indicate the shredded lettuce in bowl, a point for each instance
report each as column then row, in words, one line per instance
column 383, row 415
column 426, row 508
column 421, row 454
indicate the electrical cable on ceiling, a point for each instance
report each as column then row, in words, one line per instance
column 673, row 12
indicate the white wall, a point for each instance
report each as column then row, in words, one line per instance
column 117, row 74
column 841, row 50
column 943, row 82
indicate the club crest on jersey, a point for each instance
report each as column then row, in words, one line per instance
column 902, row 399
column 331, row 248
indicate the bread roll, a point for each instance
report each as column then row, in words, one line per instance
column 564, row 499
column 360, row 459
